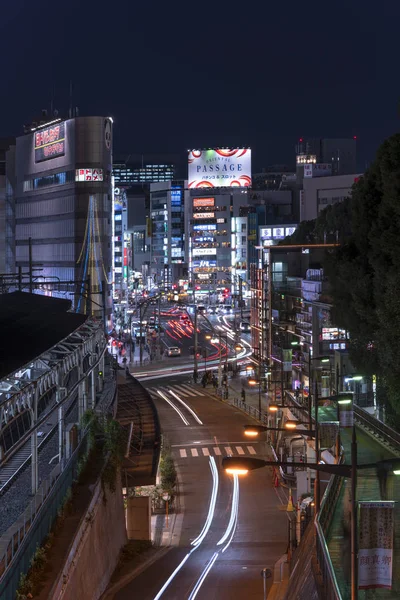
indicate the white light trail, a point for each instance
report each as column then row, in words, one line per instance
column 196, row 543
column 203, row 576
column 211, row 509
column 170, row 578
column 186, row 406
column 234, row 510
column 182, row 416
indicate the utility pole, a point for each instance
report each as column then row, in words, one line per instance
column 195, row 370
column 354, row 548
column 317, row 481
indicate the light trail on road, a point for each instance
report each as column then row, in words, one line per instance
column 174, row 407
column 186, row 406
column 197, row 542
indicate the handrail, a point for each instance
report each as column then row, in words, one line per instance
column 391, row 436
column 322, row 523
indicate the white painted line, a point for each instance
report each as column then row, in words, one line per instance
column 251, row 449
column 206, row 452
column 194, row 452
column 183, row 453
column 239, row 449
column 217, row 451
column 191, row 390
column 163, row 396
column 183, row 391
column 228, row 450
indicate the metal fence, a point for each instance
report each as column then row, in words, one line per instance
column 19, row 543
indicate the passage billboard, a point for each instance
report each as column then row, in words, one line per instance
column 49, row 142
column 225, row 167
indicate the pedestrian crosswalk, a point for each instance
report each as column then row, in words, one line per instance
column 201, row 451
column 181, row 390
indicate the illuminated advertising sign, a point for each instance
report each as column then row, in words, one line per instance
column 203, row 202
column 204, row 251
column 208, row 215
column 225, row 167
column 205, row 227
column 88, row 174
column 265, row 233
column 334, row 334
column 278, row 233
column 49, row 142
column 204, row 263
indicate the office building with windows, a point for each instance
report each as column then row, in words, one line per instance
column 169, row 243
column 59, row 195
column 139, row 169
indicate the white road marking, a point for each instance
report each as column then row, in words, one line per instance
column 206, row 452
column 194, row 452
column 239, row 450
column 183, row 391
column 228, row 450
column 183, row 453
column 251, row 449
column 217, row 451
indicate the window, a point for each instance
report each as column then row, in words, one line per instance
column 243, row 240
column 244, row 227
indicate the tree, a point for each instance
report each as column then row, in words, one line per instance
column 364, row 272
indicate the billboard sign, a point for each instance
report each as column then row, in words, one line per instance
column 222, row 167
column 204, row 263
column 375, row 553
column 205, row 215
column 89, row 175
column 49, row 142
column 204, row 251
column 203, row 202
column 317, row 170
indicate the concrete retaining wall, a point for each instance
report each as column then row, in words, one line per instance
column 94, row 551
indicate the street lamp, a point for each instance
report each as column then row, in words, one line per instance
column 237, row 465
column 255, row 430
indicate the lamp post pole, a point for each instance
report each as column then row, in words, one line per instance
column 317, row 479
column 354, row 549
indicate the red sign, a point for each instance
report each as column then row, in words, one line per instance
column 49, row 142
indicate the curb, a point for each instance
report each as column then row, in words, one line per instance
column 110, row 592
column 280, row 580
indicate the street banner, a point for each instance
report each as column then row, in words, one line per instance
column 375, row 556
column 287, row 360
column 346, row 413
column 328, row 431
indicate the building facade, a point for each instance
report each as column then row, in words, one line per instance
column 168, row 222
column 320, row 192
column 60, row 198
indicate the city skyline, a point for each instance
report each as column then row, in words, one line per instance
column 168, row 90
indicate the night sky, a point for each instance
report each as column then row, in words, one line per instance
column 176, row 75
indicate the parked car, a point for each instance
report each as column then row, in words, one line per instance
column 173, row 351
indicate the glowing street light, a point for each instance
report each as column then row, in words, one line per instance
column 252, row 382
column 234, row 471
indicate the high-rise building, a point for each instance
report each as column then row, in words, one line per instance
column 168, row 205
column 60, row 198
column 144, row 169
column 338, row 155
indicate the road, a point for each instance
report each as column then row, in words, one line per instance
column 228, row 530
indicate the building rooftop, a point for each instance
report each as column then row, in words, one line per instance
column 31, row 324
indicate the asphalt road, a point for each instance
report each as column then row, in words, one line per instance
column 244, row 515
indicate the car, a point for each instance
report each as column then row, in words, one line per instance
column 212, row 310
column 201, row 308
column 228, row 308
column 184, row 317
column 245, row 326
column 173, row 351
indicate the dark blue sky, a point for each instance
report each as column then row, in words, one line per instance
column 180, row 74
